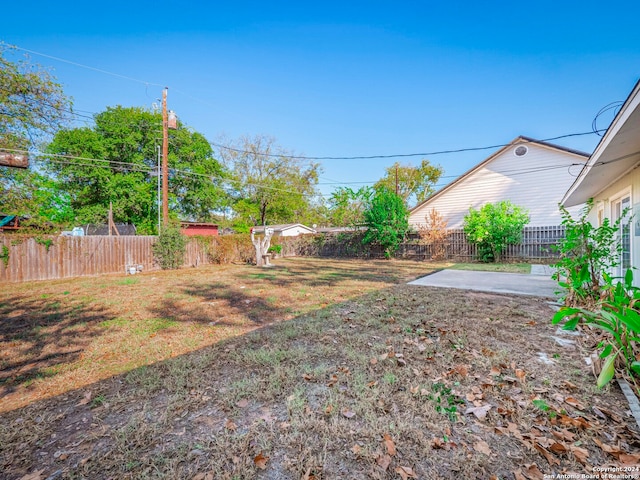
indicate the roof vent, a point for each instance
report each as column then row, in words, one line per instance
column 520, row 151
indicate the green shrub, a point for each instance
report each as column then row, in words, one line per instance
column 170, row 248
column 387, row 221
column 586, row 253
column 277, row 249
column 495, row 226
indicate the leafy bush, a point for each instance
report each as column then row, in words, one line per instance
column 495, row 226
column 619, row 317
column 435, row 233
column 586, row 253
column 170, row 248
column 230, row 249
column 277, row 249
column 387, row 221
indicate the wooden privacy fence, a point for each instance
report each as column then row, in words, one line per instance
column 48, row 257
column 25, row 258
column 537, row 243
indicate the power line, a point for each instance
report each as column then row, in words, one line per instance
column 106, row 72
column 400, row 155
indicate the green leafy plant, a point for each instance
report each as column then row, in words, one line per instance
column 5, row 256
column 387, row 221
column 618, row 314
column 46, row 242
column 495, row 226
column 586, row 252
column 170, row 248
column 277, row 249
column 446, row 402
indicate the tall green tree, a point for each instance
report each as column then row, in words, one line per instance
column 33, row 106
column 347, row 206
column 387, row 221
column 270, row 185
column 415, row 184
column 32, row 103
column 112, row 163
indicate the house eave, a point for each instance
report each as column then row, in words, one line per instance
column 616, row 155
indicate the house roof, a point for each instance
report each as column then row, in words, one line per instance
column 198, row 224
column 516, row 141
column 282, row 227
column 617, row 153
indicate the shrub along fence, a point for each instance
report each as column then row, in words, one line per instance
column 25, row 258
column 537, row 245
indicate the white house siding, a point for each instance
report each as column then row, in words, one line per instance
column 536, row 181
column 602, row 201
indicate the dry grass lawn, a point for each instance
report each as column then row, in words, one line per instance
column 313, row 369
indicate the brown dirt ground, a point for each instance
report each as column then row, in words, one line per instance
column 335, row 380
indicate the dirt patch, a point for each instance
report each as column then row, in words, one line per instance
column 401, row 382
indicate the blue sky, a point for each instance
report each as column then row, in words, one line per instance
column 348, row 78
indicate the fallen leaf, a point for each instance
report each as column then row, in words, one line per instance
column 629, row 459
column 518, row 475
column 574, row 403
column 479, row 412
column 414, row 390
column 389, row 445
column 229, row 425
column 558, row 448
column 564, row 435
column 357, row 449
column 85, row 399
column 578, row 422
column 261, row 461
column 373, row 361
column 348, row 413
column 482, row 447
column 520, row 374
column 611, row 449
column 581, row 454
column 569, row 385
column 308, row 377
column 546, row 454
column 406, row 472
column 328, row 409
column 533, row 472
column 461, row 370
column 383, row 461
column 242, row 403
column 37, row 475
column 495, row 372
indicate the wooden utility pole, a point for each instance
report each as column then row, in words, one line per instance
column 396, row 179
column 165, row 161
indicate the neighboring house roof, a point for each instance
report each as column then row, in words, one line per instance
column 283, row 227
column 198, row 224
column 476, row 178
column 617, row 153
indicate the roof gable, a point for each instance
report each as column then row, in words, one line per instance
column 520, row 140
